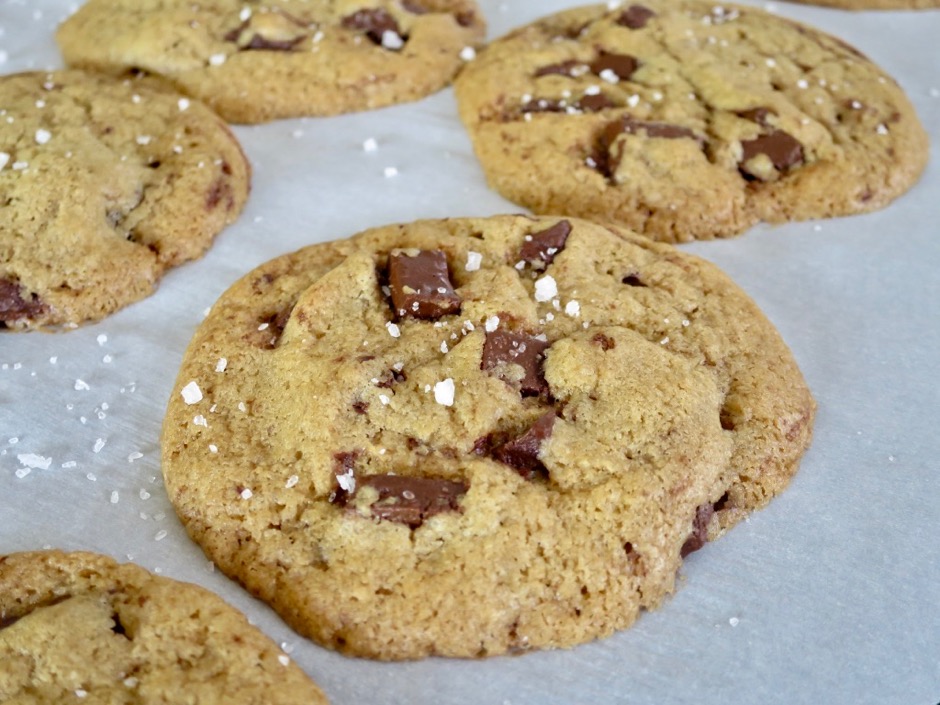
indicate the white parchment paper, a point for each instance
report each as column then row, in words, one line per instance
column 830, row 595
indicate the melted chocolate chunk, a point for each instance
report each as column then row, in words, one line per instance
column 622, row 65
column 420, row 285
column 758, row 115
column 635, row 17
column 783, row 149
column 375, row 22
column 540, row 248
column 603, row 161
column 565, row 68
column 258, row 42
column 699, row 535
column 544, row 105
column 522, row 453
column 595, row 103
column 503, row 347
column 14, row 306
column 632, row 279
column 412, row 500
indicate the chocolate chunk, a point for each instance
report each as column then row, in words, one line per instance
column 633, row 279
column 607, row 164
column 271, row 327
column 375, row 22
column 605, row 342
column 544, row 105
column 259, row 42
column 413, row 7
column 540, row 248
column 622, row 65
column 13, row 305
column 758, row 115
column 565, row 68
column 412, row 500
column 783, row 149
column 420, row 285
column 595, row 103
column 503, row 347
column 465, row 19
column 344, row 468
column 522, row 453
column 391, row 378
column 635, row 17
column 699, row 535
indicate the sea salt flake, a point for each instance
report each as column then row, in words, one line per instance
column 370, row 145
column 213, row 448
column 136, row 455
column 182, row 104
column 102, row 339
column 392, row 40
column 144, row 139
column 284, row 660
column 200, row 420
column 115, row 497
column 245, row 14
column 444, row 392
column 99, row 444
column 81, row 386
column 22, row 472
column 4, row 160
column 246, row 493
column 221, row 365
column 393, row 329
column 545, row 288
column 160, row 535
column 573, row 309
column 492, row 323
column 474, row 260
column 444, row 348
column 43, row 136
column 468, row 53
column 390, row 172
column 384, row 399
column 217, row 59
column 144, row 494
column 191, row 393
column 291, row 481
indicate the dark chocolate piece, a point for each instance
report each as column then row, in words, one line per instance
column 544, row 105
column 602, row 158
column 565, row 68
column 540, row 248
column 258, row 42
column 420, row 285
column 699, row 535
column 13, row 305
column 412, row 500
column 522, row 453
column 503, row 347
column 783, row 149
column 623, row 65
column 758, row 115
column 595, row 103
column 635, row 17
column 632, row 279
column 375, row 22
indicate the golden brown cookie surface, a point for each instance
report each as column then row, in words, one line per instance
column 79, row 627
column 260, row 61
column 474, row 436
column 106, row 184
column 684, row 119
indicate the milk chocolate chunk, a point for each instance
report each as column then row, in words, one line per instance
column 758, row 115
column 607, row 164
column 565, row 68
column 522, row 453
column 13, row 304
column 544, row 105
column 595, row 103
column 635, row 17
column 374, row 22
column 420, row 285
column 412, row 500
column 540, row 248
column 504, row 347
column 783, row 149
column 699, row 535
column 622, row 65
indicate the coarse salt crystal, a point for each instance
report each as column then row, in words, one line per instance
column 217, row 59
column 136, row 455
column 246, row 493
column 221, row 365
column 144, row 139
column 444, row 348
column 81, row 386
column 34, row 461
column 200, row 420
column 245, row 14
column 183, row 104
column 191, row 393
column 292, row 481
column 545, row 288
column 99, row 444
column 492, row 323
column 370, row 145
column 102, row 339
column 573, row 309
column 468, row 53
column 474, row 260
column 4, row 160
column 444, row 392
column 609, row 75
column 393, row 329
column 392, row 40
column 160, row 535
column 115, row 497
column 284, row 660
column 384, row 399
column 213, row 448
column 43, row 136
column 390, row 172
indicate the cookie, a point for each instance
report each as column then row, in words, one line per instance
column 106, row 184
column 683, row 119
column 254, row 62
column 476, row 436
column 80, row 627
column 875, row 4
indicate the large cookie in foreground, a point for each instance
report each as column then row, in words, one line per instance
column 473, row 436
column 105, row 185
column 254, row 62
column 683, row 119
column 79, row 627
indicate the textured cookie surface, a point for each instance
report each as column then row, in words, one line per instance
column 474, row 436
column 81, row 628
column 257, row 61
column 685, row 120
column 105, row 184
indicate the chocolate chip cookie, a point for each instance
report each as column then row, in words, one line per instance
column 259, row 61
column 476, row 436
column 105, row 185
column 80, row 627
column 687, row 120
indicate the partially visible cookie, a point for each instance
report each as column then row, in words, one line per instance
column 875, row 4
column 79, row 627
column 259, row 61
column 473, row 436
column 105, row 185
column 683, row 119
